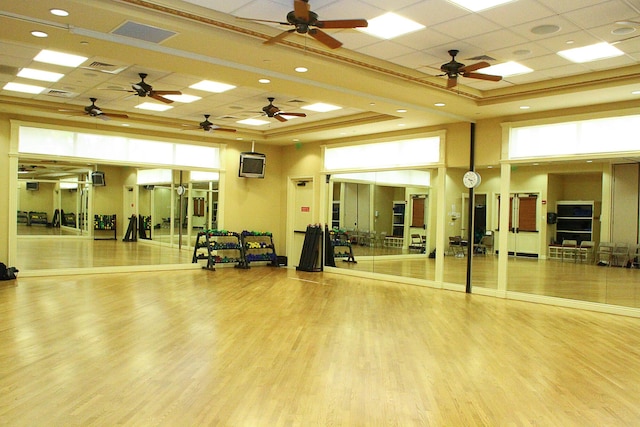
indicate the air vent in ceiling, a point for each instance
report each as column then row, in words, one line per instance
column 227, row 118
column 481, row 58
column 8, row 70
column 143, row 32
column 105, row 67
column 60, row 93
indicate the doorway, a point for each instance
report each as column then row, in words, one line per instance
column 302, row 212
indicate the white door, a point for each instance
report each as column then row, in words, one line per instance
column 302, row 215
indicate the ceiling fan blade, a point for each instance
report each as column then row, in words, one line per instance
column 483, row 76
column 276, row 39
column 292, row 114
column 301, row 10
column 325, row 38
column 451, row 82
column 166, row 92
column 279, row 118
column 214, row 128
column 160, row 98
column 473, row 67
column 343, row 23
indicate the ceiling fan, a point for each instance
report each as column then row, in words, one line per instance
column 453, row 69
column 94, row 111
column 303, row 19
column 143, row 89
column 274, row 112
column 207, row 126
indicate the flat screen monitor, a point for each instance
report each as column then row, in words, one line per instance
column 252, row 165
column 97, row 178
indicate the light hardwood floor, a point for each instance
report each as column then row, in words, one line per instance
column 278, row 347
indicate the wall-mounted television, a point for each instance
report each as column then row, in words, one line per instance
column 33, row 186
column 97, row 179
column 252, row 165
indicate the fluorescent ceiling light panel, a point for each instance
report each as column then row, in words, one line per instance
column 590, row 53
column 253, row 122
column 153, row 106
column 390, row 25
column 19, row 87
column 321, row 107
column 33, row 74
column 210, row 86
column 185, row 99
column 506, row 69
column 59, row 58
column 478, row 5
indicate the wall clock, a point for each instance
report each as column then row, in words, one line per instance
column 471, row 179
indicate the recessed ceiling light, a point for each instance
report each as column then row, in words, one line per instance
column 623, row 31
column 593, row 52
column 506, row 69
column 59, row 12
column 635, row 92
column 321, row 107
column 47, row 76
column 239, row 138
column 151, row 106
column 211, row 86
column 264, row 81
column 253, row 122
column 59, row 58
column 185, row 99
column 401, row 124
column 401, row 110
column 589, row 161
column 301, row 69
column 524, row 107
column 478, row 5
column 390, row 25
column 439, row 104
column 125, row 124
column 19, row 87
column 39, row 34
column 545, row 29
column 295, row 140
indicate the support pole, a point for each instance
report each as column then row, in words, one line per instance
column 471, row 208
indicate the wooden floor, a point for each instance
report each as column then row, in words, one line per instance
column 277, row 347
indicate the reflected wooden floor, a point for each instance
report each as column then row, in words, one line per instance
column 278, row 347
column 59, row 253
column 578, row 281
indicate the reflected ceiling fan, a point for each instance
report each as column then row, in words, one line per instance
column 94, row 111
column 207, row 126
column 306, row 22
column 274, row 112
column 453, row 69
column 143, row 89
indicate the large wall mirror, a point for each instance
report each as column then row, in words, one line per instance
column 383, row 222
column 67, row 220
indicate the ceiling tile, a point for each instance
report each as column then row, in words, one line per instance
column 564, row 6
column 497, row 39
column 466, row 26
column 431, row 13
column 385, row 50
column 594, row 16
column 517, row 12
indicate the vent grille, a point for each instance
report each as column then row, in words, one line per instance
column 105, row 67
column 143, row 32
column 60, row 93
column 6, row 69
column 481, row 58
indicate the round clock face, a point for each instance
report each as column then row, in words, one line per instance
column 180, row 190
column 471, row 179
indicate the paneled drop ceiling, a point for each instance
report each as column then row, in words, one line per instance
column 381, row 85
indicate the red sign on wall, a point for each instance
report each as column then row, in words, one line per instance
column 305, row 209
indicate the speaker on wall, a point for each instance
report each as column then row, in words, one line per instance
column 97, row 179
column 552, row 217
